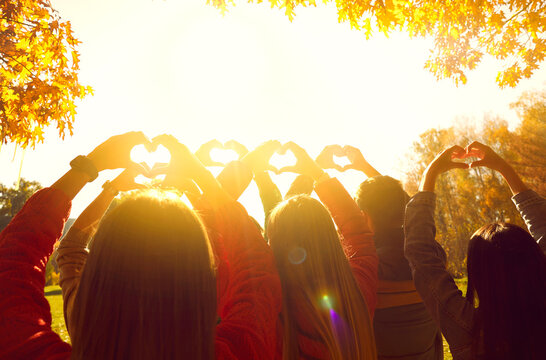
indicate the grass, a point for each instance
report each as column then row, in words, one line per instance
column 53, row 295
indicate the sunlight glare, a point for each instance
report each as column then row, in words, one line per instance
column 223, row 156
column 279, row 161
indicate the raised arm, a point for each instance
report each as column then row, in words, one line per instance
column 427, row 259
column 358, row 162
column 72, row 251
column 27, row 243
column 357, row 237
column 353, row 225
column 531, row 206
column 252, row 299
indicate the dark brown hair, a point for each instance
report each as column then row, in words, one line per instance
column 507, row 283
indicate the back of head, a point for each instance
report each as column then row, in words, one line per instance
column 318, row 285
column 148, row 289
column 384, row 200
column 507, row 276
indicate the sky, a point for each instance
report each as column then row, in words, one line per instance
column 181, row 67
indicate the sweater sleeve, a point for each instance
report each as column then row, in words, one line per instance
column 25, row 246
column 357, row 237
column 270, row 194
column 252, row 300
column 437, row 288
column 532, row 208
column 235, row 178
column 71, row 257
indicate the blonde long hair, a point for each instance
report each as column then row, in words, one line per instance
column 148, row 288
column 317, row 282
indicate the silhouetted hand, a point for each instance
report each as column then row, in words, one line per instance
column 326, row 157
column 487, row 156
column 305, row 165
column 236, row 146
column 258, row 159
column 203, row 153
column 115, row 152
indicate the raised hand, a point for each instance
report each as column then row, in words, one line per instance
column 236, row 146
column 258, row 159
column 203, row 153
column 326, row 157
column 358, row 162
column 126, row 181
column 487, row 156
column 183, row 163
column 442, row 163
column 305, row 165
column 115, row 152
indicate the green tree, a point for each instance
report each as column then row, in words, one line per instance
column 39, row 67
column 513, row 31
column 13, row 198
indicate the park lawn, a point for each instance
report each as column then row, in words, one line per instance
column 53, row 295
column 55, row 298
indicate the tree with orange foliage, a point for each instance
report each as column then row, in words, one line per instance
column 513, row 31
column 39, row 67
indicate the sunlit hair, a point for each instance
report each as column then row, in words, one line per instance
column 317, row 282
column 507, row 281
column 384, row 200
column 148, row 289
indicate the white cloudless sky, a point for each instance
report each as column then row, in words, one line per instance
column 181, row 67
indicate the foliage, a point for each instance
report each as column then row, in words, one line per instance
column 463, row 30
column 470, row 199
column 38, row 72
column 12, row 199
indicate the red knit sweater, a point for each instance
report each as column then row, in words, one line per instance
column 248, row 311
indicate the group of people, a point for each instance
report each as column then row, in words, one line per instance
column 341, row 278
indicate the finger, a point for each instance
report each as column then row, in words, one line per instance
column 478, row 163
column 348, row 167
column 159, row 170
column 292, row 168
column 457, row 152
column 458, row 165
column 338, row 167
column 139, row 168
column 212, row 143
column 169, row 141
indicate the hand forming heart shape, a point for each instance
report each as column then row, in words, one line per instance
column 214, row 149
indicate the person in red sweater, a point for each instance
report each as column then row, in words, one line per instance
column 148, row 286
column 329, row 282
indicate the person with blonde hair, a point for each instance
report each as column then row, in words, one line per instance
column 328, row 281
column 146, row 288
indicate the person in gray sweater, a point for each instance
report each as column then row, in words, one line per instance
column 503, row 315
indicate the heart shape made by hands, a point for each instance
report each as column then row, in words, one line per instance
column 214, row 153
column 150, row 158
column 282, row 158
column 140, row 154
column 334, row 157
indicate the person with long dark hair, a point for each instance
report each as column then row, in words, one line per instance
column 503, row 315
column 147, row 287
